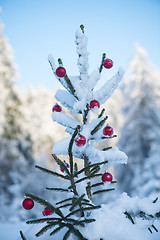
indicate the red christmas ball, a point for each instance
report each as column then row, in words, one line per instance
column 28, row 203
column 107, row 177
column 108, row 63
column 60, row 72
column 80, row 140
column 47, row 211
column 56, row 108
column 108, row 131
column 93, row 104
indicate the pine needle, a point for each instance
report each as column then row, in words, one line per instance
column 45, row 203
column 100, row 124
column 57, row 189
column 65, row 200
column 129, row 217
column 51, row 172
column 67, row 234
column 45, row 228
column 22, row 235
column 103, row 190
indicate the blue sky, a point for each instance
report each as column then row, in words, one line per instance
column 37, row 28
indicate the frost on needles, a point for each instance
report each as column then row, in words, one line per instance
column 87, row 207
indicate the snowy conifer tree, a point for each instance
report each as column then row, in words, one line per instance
column 7, row 72
column 79, row 213
column 140, row 136
column 15, row 145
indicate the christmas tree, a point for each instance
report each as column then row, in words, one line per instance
column 82, row 211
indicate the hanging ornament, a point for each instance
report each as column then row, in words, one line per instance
column 108, row 63
column 108, row 131
column 56, row 108
column 94, row 104
column 28, row 203
column 47, row 211
column 60, row 72
column 80, row 140
column 67, row 165
column 107, row 177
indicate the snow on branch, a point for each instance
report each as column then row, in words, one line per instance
column 81, row 41
column 93, row 79
column 65, row 120
column 66, row 99
column 65, row 81
column 112, row 155
column 106, row 91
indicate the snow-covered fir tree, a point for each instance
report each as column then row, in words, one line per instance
column 37, row 110
column 140, row 135
column 81, row 212
column 7, row 72
column 15, row 145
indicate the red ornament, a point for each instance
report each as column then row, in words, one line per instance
column 28, row 203
column 108, row 63
column 67, row 165
column 108, row 131
column 93, row 104
column 80, row 140
column 56, row 108
column 107, row 177
column 47, row 211
column 60, row 72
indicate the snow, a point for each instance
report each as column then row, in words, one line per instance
column 64, row 120
column 111, row 222
column 106, row 91
column 65, row 98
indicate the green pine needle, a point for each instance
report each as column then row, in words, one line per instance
column 82, row 210
column 105, row 149
column 22, row 235
column 102, row 112
column 65, row 200
column 155, row 228
column 101, row 66
column 103, row 190
column 65, row 205
column 90, row 166
column 94, row 170
column 45, row 228
column 150, row 230
column 57, row 229
column 61, row 164
column 57, row 189
column 99, row 125
column 51, row 172
column 87, row 204
column 67, row 234
column 88, row 220
column 77, row 202
column 75, row 222
column 129, row 217
column 155, row 200
column 42, row 220
column 70, row 148
column 85, row 178
column 45, row 203
column 78, row 234
column 97, row 184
